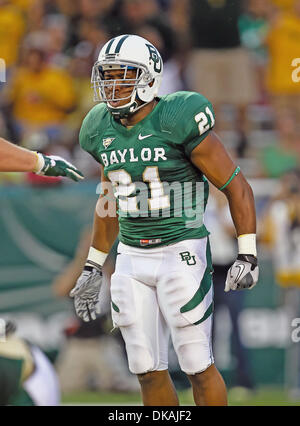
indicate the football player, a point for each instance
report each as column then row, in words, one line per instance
column 27, row 377
column 162, row 282
column 14, row 158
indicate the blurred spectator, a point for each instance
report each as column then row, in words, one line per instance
column 93, row 33
column 137, row 13
column 280, row 232
column 67, row 8
column 164, row 4
column 253, row 27
column 172, row 80
column 224, row 249
column 79, row 68
column 83, row 56
column 92, row 9
column 218, row 66
column 24, row 5
column 283, row 42
column 284, row 154
column 281, row 229
column 100, row 15
column 56, row 27
column 12, row 29
column 27, row 377
column 91, row 358
column 35, row 13
column 41, row 96
column 283, row 4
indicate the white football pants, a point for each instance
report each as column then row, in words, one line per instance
column 160, row 291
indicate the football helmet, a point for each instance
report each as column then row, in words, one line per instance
column 127, row 52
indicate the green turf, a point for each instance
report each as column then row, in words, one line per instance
column 263, row 396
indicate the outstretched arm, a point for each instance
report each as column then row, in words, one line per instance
column 14, row 158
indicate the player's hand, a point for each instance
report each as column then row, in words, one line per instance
column 243, row 273
column 52, row 165
column 86, row 292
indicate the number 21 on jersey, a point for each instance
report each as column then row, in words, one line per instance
column 124, row 188
column 202, row 120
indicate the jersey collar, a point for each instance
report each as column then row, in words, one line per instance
column 125, row 130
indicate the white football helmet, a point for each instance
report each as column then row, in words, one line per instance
column 127, row 52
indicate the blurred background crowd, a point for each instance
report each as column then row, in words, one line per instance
column 242, row 55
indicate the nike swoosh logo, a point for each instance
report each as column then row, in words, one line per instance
column 242, row 267
column 144, row 137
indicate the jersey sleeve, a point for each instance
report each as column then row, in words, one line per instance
column 87, row 136
column 197, row 122
column 84, row 135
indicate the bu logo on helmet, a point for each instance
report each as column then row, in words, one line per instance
column 154, row 55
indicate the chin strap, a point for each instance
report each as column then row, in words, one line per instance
column 125, row 112
column 122, row 112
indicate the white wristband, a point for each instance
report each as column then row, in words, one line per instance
column 97, row 256
column 247, row 244
column 40, row 162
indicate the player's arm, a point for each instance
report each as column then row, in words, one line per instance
column 105, row 231
column 212, row 159
column 14, row 158
column 105, row 228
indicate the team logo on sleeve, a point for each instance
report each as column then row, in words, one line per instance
column 186, row 257
column 107, row 142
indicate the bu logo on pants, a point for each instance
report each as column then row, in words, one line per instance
column 186, row 256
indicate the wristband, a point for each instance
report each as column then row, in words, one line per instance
column 40, row 162
column 236, row 172
column 247, row 244
column 97, row 256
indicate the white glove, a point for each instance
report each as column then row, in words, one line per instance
column 86, row 292
column 243, row 273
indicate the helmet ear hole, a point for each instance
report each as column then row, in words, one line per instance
column 147, row 78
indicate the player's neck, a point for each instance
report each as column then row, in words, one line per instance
column 133, row 119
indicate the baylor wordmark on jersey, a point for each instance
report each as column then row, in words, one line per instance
column 131, row 155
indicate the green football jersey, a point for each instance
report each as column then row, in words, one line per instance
column 161, row 195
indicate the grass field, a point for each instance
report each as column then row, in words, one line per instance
column 261, row 397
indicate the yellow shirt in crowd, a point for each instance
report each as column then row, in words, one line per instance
column 12, row 28
column 284, row 45
column 41, row 99
column 24, row 4
column 281, row 4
